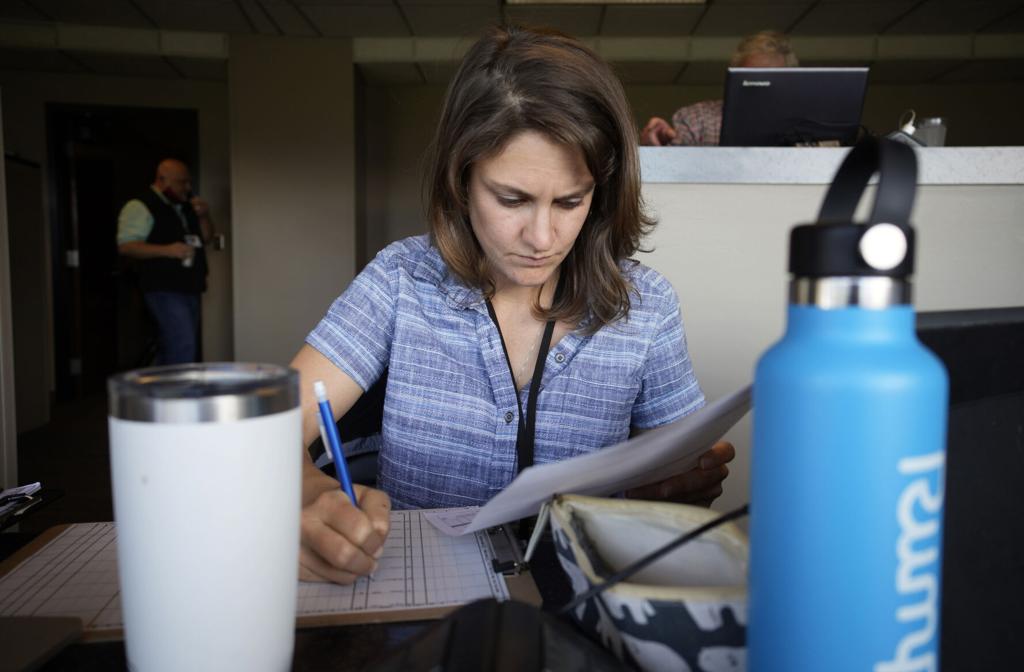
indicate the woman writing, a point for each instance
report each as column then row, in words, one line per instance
column 518, row 331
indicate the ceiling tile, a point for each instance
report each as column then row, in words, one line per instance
column 126, row 64
column 702, row 72
column 496, row 4
column 952, row 16
column 858, row 18
column 908, row 72
column 261, row 20
column 38, row 60
column 805, row 3
column 453, row 20
column 1011, row 23
column 576, row 20
column 220, row 16
column 638, row 72
column 985, row 72
column 728, row 19
column 337, row 3
column 859, row 2
column 201, row 68
column 21, row 10
column 288, row 18
column 357, row 20
column 98, row 12
column 384, row 74
column 648, row 20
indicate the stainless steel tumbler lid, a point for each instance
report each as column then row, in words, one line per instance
column 212, row 392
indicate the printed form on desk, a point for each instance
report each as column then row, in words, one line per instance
column 421, row 574
column 646, row 458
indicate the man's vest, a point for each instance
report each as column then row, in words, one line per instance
column 162, row 274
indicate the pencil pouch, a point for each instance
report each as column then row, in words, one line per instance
column 687, row 611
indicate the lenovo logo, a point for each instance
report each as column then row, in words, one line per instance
column 756, row 82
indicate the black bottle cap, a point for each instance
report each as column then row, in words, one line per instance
column 851, row 249
column 883, row 245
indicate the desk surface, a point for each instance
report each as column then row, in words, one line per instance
column 335, row 648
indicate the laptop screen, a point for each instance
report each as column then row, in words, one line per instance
column 785, row 107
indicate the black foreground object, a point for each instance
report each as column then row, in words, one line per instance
column 499, row 636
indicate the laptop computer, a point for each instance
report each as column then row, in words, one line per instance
column 785, row 107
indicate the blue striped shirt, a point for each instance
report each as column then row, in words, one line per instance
column 450, row 412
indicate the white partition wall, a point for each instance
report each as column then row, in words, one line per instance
column 724, row 248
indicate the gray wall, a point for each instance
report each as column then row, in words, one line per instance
column 32, row 342
column 373, row 165
column 8, row 432
column 400, row 124
column 292, row 188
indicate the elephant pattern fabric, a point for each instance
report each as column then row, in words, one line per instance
column 654, row 635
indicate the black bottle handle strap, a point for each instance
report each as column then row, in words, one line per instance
column 896, row 166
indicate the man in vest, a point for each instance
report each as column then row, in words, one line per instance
column 165, row 229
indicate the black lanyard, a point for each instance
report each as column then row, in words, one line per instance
column 525, row 431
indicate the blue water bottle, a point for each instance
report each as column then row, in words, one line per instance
column 849, row 445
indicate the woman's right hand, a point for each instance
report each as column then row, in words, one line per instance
column 340, row 542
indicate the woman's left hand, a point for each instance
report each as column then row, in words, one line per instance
column 700, row 485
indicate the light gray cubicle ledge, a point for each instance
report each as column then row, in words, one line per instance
column 814, row 165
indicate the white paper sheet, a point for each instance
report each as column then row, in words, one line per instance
column 647, row 458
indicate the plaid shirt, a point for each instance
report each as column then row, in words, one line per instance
column 698, row 124
column 450, row 412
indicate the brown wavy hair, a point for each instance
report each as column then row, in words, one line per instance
column 518, row 79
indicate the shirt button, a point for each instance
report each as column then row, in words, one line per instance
column 509, row 415
column 559, row 358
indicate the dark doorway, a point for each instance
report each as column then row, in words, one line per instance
column 101, row 157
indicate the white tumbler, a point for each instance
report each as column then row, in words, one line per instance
column 206, row 469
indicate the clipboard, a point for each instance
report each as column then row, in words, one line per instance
column 28, row 641
column 80, row 560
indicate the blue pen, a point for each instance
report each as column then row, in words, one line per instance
column 329, row 433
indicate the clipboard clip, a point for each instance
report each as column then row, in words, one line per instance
column 508, row 556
